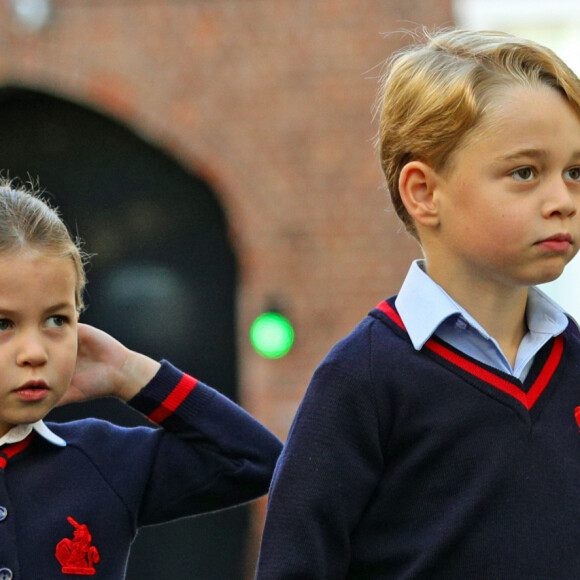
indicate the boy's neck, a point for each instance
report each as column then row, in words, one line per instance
column 501, row 311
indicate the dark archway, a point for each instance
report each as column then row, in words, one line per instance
column 162, row 281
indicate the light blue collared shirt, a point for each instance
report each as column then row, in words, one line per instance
column 426, row 309
column 21, row 432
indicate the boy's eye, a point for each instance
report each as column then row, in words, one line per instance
column 5, row 324
column 523, row 174
column 573, row 174
column 56, row 321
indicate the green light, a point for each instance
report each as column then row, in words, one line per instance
column 272, row 335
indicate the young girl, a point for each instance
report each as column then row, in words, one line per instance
column 73, row 495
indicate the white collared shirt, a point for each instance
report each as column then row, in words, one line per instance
column 426, row 309
column 21, row 432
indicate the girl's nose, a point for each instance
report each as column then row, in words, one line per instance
column 31, row 350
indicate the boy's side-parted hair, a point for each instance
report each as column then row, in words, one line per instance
column 434, row 93
column 28, row 221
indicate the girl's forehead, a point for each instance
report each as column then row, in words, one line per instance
column 33, row 283
column 24, row 262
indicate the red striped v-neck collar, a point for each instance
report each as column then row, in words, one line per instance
column 469, row 365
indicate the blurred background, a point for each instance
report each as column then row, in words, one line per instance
column 217, row 157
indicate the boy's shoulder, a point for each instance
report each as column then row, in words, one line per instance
column 358, row 377
column 376, row 339
column 573, row 329
column 381, row 322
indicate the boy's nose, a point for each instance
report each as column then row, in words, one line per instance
column 31, row 350
column 561, row 201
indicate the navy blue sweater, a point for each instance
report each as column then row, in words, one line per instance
column 73, row 511
column 427, row 464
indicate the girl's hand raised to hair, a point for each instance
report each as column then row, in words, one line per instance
column 106, row 368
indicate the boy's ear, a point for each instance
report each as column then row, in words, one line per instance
column 417, row 187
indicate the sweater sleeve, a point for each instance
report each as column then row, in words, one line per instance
column 327, row 472
column 211, row 454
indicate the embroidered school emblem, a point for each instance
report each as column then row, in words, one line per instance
column 77, row 556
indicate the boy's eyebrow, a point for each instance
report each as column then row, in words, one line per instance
column 533, row 153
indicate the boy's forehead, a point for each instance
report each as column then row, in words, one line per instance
column 524, row 121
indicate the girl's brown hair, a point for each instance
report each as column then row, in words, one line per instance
column 28, row 221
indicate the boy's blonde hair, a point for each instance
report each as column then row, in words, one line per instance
column 28, row 221
column 437, row 92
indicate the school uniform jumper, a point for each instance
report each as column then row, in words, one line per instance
column 429, row 464
column 73, row 511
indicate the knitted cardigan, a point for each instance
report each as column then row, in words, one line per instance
column 74, row 510
column 428, row 464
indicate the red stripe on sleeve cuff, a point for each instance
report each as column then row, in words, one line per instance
column 173, row 400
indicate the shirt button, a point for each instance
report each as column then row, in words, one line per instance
column 5, row 574
column 3, row 513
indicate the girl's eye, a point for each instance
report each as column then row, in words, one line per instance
column 56, row 321
column 5, row 324
column 573, row 174
column 523, row 174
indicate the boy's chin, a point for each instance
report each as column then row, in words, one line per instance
column 547, row 277
column 548, row 272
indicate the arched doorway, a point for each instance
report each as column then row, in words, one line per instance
column 162, row 281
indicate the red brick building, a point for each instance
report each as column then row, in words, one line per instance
column 269, row 103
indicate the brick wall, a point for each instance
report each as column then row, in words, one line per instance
column 271, row 102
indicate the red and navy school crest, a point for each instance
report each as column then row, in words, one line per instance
column 78, row 556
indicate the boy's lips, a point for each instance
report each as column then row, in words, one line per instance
column 32, row 391
column 558, row 243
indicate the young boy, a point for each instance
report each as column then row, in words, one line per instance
column 73, row 495
column 439, row 439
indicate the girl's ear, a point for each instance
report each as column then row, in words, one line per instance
column 417, row 187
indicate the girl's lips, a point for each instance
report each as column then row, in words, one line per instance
column 32, row 391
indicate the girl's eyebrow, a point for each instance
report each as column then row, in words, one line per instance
column 8, row 312
column 60, row 306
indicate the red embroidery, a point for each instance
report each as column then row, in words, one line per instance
column 77, row 556
column 577, row 415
